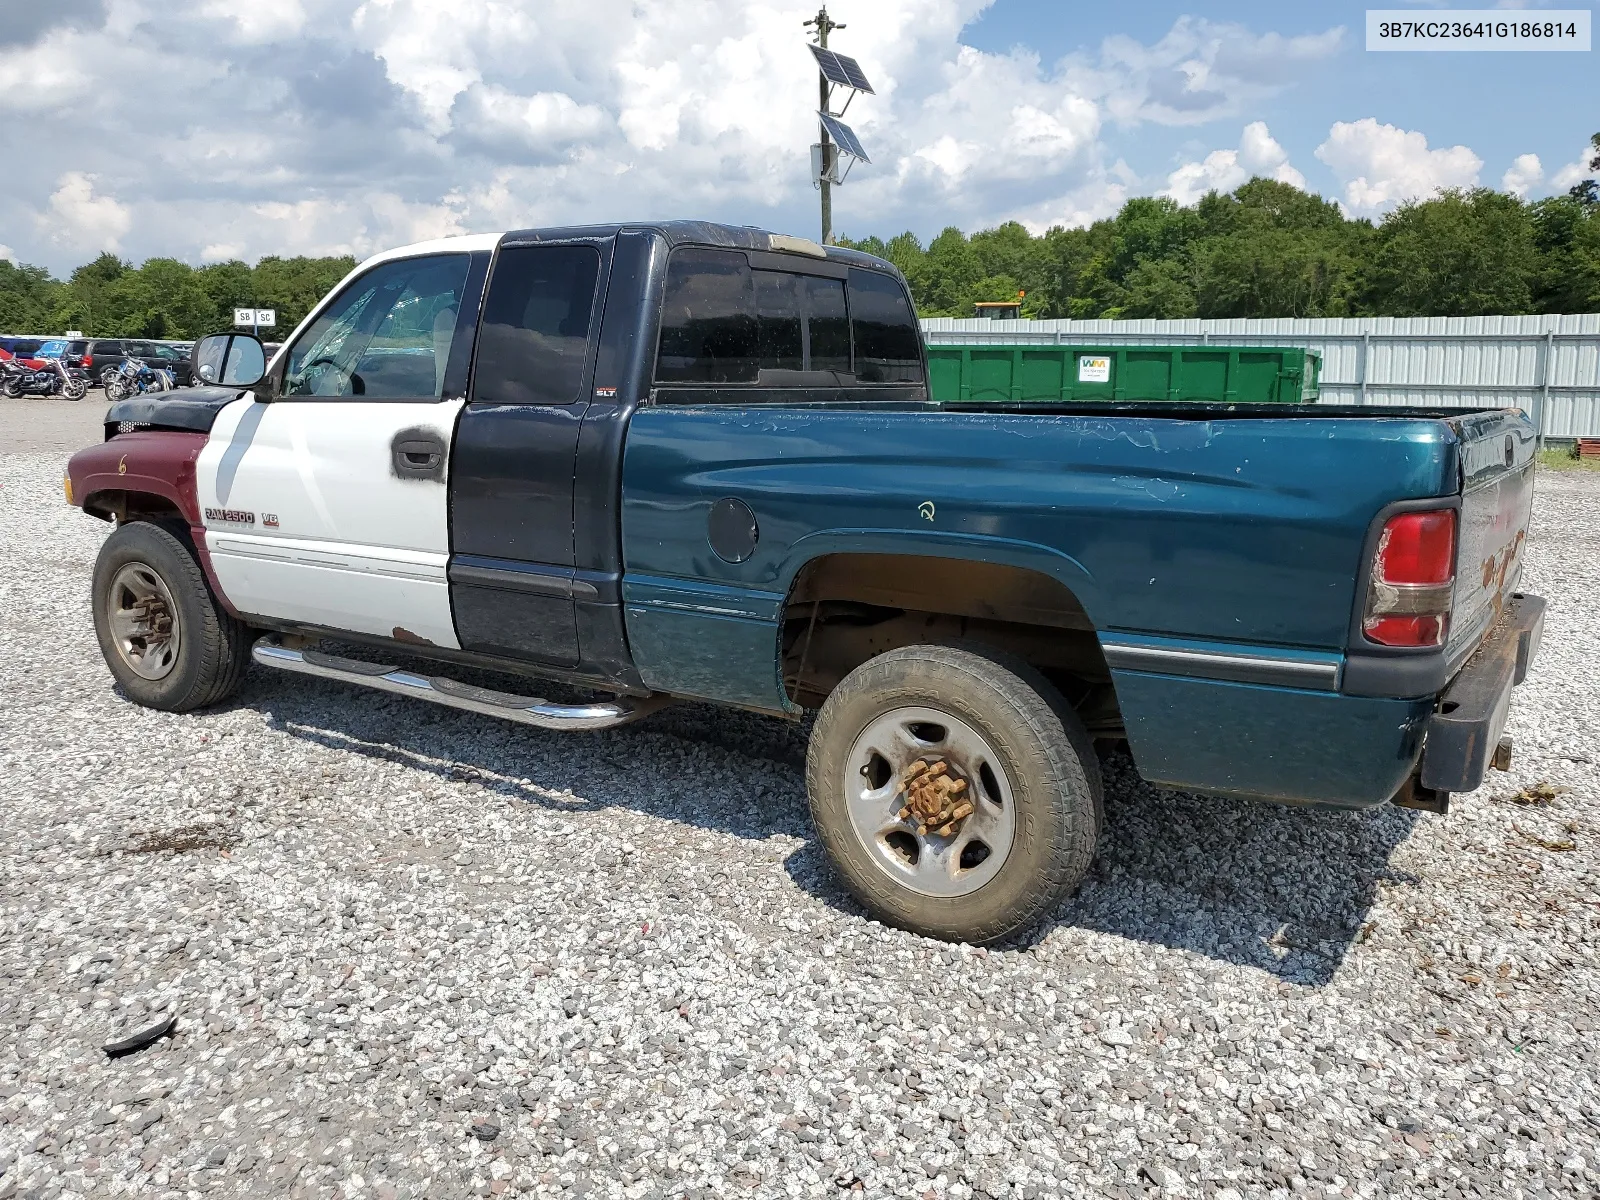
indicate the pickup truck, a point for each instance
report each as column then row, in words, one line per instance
column 692, row 461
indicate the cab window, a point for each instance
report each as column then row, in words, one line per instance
column 709, row 332
column 888, row 341
column 533, row 345
column 386, row 336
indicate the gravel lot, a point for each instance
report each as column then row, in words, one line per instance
column 416, row 953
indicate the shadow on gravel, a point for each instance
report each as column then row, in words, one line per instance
column 1280, row 889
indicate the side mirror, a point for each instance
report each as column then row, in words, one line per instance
column 229, row 359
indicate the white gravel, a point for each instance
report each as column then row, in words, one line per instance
column 621, row 959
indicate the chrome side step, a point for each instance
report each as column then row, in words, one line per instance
column 529, row 710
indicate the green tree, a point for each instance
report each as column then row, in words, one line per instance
column 951, row 271
column 228, row 285
column 1459, row 254
column 1587, row 191
column 28, row 298
column 292, row 286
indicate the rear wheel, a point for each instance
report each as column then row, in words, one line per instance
column 955, row 791
column 11, row 388
column 164, row 635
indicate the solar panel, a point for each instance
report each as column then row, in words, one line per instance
column 853, row 72
column 843, row 136
column 828, row 64
column 841, row 69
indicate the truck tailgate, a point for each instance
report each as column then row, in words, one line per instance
column 1496, row 457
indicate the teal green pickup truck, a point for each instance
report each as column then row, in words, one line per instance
column 687, row 461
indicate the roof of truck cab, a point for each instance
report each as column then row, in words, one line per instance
column 675, row 233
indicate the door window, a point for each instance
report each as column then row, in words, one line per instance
column 888, row 340
column 534, row 342
column 387, row 335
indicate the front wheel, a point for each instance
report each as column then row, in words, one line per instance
column 167, row 640
column 74, row 389
column 955, row 791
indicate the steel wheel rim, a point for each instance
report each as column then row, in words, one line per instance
column 143, row 620
column 922, row 859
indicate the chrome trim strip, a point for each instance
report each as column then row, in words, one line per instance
column 528, row 710
column 1235, row 668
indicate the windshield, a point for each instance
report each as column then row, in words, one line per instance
column 52, row 349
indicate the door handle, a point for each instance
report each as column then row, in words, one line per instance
column 419, row 457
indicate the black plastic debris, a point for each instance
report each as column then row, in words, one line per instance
column 158, row 1028
column 485, row 1131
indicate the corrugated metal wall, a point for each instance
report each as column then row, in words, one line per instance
column 1548, row 365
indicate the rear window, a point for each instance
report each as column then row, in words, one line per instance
column 888, row 341
column 533, row 346
column 709, row 331
column 723, row 322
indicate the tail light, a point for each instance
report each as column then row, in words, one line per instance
column 1413, row 577
column 86, row 360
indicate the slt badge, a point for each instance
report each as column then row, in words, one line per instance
column 926, row 509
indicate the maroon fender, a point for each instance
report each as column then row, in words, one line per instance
column 155, row 462
column 152, row 462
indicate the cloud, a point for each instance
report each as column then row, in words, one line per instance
column 211, row 128
column 81, row 220
column 1381, row 165
column 1198, row 72
column 1223, row 170
column 532, row 128
column 7, row 253
column 1576, row 170
column 1523, row 175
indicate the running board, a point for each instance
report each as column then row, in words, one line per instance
column 528, row 710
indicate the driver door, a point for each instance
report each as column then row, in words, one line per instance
column 327, row 503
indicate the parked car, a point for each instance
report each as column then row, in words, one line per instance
column 698, row 461
column 24, row 350
column 102, row 355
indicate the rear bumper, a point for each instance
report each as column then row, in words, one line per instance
column 1465, row 727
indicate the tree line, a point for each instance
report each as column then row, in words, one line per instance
column 1265, row 249
column 163, row 297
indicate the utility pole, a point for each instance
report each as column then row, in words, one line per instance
column 825, row 26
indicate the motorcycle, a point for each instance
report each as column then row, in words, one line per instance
column 134, row 378
column 54, row 378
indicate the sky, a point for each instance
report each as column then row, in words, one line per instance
column 216, row 129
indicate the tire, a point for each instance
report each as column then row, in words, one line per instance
column 116, row 389
column 75, row 389
column 203, row 657
column 11, row 389
column 1036, row 812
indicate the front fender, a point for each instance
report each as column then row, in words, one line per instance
column 152, row 462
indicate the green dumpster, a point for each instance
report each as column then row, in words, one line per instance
column 1122, row 374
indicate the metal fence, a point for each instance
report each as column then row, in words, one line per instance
column 1549, row 366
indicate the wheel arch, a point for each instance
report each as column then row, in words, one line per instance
column 120, row 505
column 844, row 606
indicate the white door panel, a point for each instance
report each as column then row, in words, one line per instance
column 335, row 535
